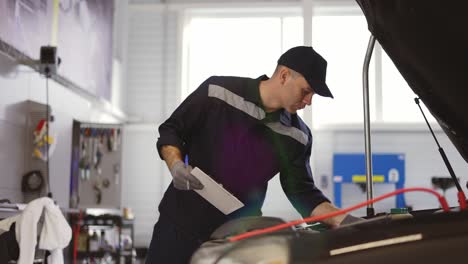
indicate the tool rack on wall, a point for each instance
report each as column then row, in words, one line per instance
column 96, row 165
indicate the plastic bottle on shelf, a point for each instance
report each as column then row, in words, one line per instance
column 94, row 242
column 104, row 243
column 83, row 239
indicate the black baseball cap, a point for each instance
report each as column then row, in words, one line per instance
column 306, row 61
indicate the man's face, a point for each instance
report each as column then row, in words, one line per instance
column 297, row 94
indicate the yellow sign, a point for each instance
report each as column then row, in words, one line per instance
column 362, row 178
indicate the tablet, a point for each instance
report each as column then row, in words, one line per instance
column 214, row 193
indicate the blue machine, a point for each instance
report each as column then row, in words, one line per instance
column 351, row 168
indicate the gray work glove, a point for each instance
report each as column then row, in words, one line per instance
column 349, row 219
column 182, row 179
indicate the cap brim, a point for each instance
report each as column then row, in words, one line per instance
column 320, row 88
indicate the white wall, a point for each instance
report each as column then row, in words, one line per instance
column 152, row 64
column 152, row 94
column 146, row 178
column 19, row 84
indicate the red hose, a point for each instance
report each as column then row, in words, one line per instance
column 442, row 201
column 462, row 200
column 76, row 228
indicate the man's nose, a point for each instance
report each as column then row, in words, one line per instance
column 307, row 99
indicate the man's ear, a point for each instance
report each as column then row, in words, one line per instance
column 283, row 75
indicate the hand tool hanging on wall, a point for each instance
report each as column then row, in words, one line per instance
column 91, row 152
column 97, row 193
column 116, row 173
column 83, row 163
column 118, row 140
column 97, row 166
column 106, row 183
column 110, row 142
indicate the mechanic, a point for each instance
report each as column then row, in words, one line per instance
column 241, row 132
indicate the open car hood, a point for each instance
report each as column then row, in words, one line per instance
column 427, row 41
